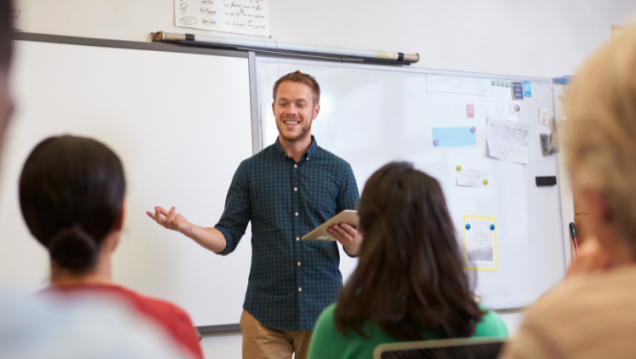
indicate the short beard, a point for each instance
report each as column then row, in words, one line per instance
column 301, row 135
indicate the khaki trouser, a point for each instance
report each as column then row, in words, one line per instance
column 261, row 342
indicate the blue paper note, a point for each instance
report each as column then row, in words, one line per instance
column 454, row 136
column 517, row 91
column 527, row 89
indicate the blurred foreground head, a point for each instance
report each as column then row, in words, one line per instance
column 599, row 138
column 71, row 195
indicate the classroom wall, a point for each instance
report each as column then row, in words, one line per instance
column 542, row 38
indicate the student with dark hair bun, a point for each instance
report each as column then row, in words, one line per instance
column 410, row 282
column 72, row 199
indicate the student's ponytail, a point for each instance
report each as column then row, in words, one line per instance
column 74, row 249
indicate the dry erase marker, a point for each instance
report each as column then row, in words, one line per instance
column 574, row 240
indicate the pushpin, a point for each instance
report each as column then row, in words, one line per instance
column 458, row 168
column 435, row 143
column 472, row 129
column 485, row 182
column 492, row 227
column 507, row 84
column 467, row 226
column 494, row 83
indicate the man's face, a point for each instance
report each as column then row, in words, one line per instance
column 294, row 110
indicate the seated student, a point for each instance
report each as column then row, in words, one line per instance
column 592, row 313
column 72, row 199
column 410, row 282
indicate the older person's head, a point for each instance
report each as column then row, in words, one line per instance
column 600, row 143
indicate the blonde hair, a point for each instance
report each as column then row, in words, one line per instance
column 600, row 133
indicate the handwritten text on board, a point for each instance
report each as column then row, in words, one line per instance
column 249, row 17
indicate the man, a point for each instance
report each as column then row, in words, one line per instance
column 286, row 190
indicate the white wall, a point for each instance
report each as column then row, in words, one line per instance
column 543, row 38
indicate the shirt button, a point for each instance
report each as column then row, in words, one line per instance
column 297, row 238
column 295, row 188
column 296, row 214
column 299, row 264
column 295, row 166
column 300, row 289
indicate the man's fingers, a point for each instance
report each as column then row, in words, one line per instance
column 170, row 216
column 339, row 234
column 176, row 219
column 349, row 229
column 150, row 214
column 161, row 210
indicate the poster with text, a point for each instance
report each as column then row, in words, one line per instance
column 248, row 17
column 480, row 243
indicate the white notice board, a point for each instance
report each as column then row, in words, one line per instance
column 371, row 115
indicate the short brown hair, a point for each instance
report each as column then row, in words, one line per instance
column 600, row 133
column 302, row 78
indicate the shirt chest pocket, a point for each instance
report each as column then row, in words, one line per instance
column 321, row 198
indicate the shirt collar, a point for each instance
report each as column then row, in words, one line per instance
column 311, row 152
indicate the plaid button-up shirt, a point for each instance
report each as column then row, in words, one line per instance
column 291, row 281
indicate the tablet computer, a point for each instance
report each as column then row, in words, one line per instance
column 320, row 233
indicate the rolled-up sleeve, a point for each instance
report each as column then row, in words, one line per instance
column 237, row 211
column 348, row 196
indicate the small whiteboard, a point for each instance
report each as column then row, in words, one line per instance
column 371, row 115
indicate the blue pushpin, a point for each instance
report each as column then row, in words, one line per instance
column 467, row 226
column 492, row 227
column 472, row 129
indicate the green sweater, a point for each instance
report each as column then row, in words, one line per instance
column 329, row 343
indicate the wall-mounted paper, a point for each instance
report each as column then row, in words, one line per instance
column 249, row 17
column 508, row 140
column 17, row 15
column 527, row 89
column 470, row 111
column 454, row 136
column 543, row 115
column 454, row 84
column 517, row 91
column 472, row 178
column 480, row 243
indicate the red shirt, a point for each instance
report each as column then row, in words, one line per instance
column 174, row 320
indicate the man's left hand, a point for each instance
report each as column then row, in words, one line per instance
column 348, row 236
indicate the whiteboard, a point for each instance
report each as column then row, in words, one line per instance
column 371, row 115
column 180, row 123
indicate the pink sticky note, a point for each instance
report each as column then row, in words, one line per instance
column 470, row 111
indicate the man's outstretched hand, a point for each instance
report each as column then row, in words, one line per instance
column 171, row 220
